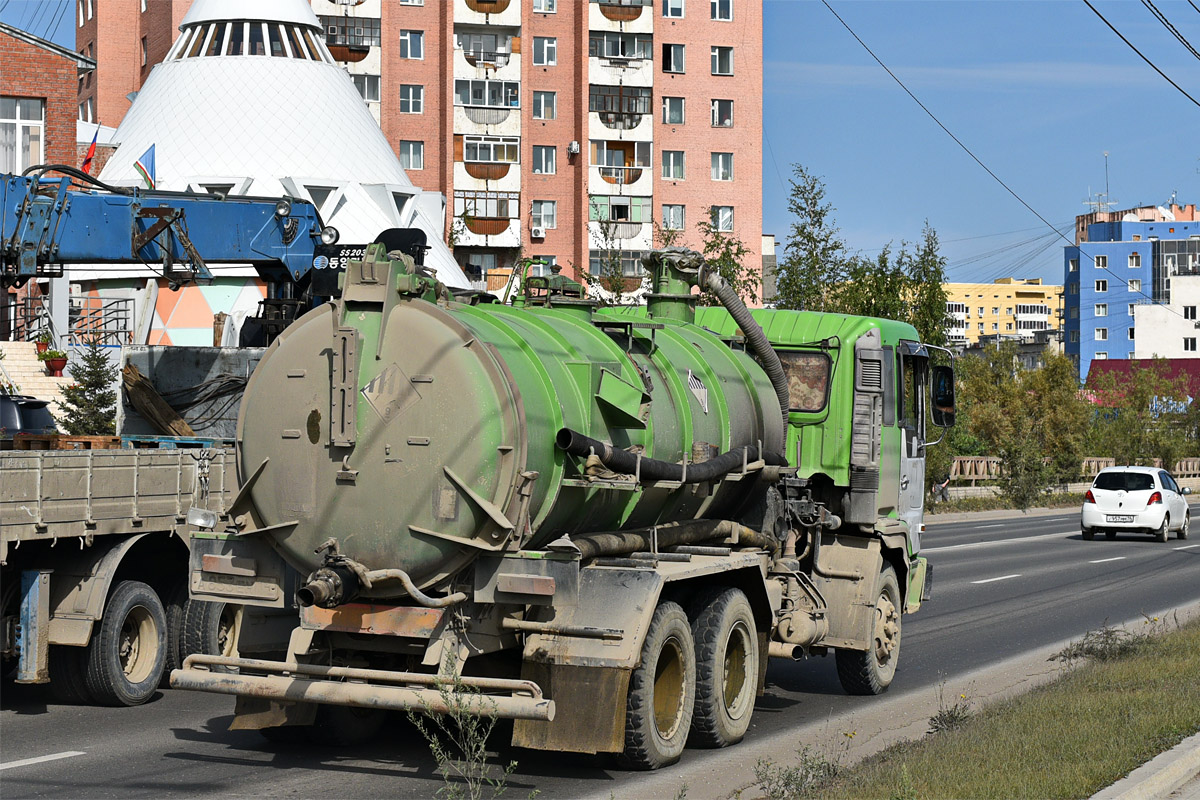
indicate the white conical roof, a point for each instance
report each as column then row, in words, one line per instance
column 273, row 125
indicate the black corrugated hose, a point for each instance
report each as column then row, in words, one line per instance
column 652, row 469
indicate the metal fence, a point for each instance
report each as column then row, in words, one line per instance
column 974, row 469
column 90, row 320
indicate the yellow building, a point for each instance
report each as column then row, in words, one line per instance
column 1015, row 307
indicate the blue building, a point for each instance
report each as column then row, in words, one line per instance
column 1122, row 259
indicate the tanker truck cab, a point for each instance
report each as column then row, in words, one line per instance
column 598, row 522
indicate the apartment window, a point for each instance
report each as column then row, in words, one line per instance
column 143, row 6
column 545, row 49
column 611, row 44
column 1101, row 262
column 619, row 99
column 492, row 149
column 368, row 87
column 722, row 218
column 412, row 2
column 721, row 9
column 487, row 94
column 995, row 326
column 1189, row 344
column 1189, row 312
column 1074, row 336
column 722, row 113
column 412, row 154
column 1131, row 334
column 145, row 51
column 722, row 166
column 412, row 44
column 672, row 58
column 722, row 61
column 981, row 311
column 1008, row 326
column 672, row 108
column 1072, row 288
column 487, row 205
column 80, row 4
column 1101, row 309
column 619, row 208
column 481, row 46
column 995, row 311
column 90, row 10
column 627, row 262
column 86, row 113
column 1073, row 313
column 1102, row 356
column 1135, row 286
column 412, row 99
column 352, row 31
column 1008, row 311
column 545, row 105
column 1073, row 265
column 22, row 133
column 1101, row 286
column 981, row 327
column 1135, row 260
column 672, row 217
column 1101, row 334
column 672, row 9
column 545, row 6
column 672, row 165
column 545, row 159
column 1131, row 308
column 545, row 214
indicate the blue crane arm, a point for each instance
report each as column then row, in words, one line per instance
column 43, row 225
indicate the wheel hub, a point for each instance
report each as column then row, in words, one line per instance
column 887, row 628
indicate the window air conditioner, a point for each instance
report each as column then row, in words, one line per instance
column 539, row 232
column 573, row 148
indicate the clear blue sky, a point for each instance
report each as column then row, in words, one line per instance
column 1038, row 90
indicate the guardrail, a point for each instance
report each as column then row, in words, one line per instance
column 973, row 469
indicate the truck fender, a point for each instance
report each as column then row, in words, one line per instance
column 79, row 588
column 894, row 541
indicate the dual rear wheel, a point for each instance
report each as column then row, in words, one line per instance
column 697, row 680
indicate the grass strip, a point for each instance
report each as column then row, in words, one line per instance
column 1135, row 696
column 999, row 503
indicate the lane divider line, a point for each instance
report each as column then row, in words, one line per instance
column 997, row 525
column 1001, row 578
column 1186, row 547
column 998, row 542
column 25, row 762
column 1106, row 560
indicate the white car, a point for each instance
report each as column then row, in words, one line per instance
column 1135, row 499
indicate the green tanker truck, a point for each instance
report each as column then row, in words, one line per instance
column 599, row 522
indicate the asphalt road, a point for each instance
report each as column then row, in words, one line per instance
column 1001, row 586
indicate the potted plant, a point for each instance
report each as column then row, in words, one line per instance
column 43, row 342
column 56, row 361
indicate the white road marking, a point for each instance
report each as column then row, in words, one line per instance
column 24, row 762
column 1187, row 547
column 997, row 525
column 1001, row 578
column 1106, row 560
column 990, row 543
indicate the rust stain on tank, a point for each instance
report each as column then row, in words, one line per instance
column 314, row 426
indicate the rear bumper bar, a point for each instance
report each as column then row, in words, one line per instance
column 364, row 688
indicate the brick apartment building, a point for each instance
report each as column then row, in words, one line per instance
column 37, row 114
column 560, row 129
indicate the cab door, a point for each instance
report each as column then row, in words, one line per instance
column 912, row 378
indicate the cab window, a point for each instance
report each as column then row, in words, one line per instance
column 808, row 379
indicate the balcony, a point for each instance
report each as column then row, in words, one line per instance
column 620, row 176
column 488, row 6
column 622, row 10
column 487, row 58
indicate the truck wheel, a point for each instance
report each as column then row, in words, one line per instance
column 1161, row 533
column 727, row 661
column 126, row 657
column 1183, row 529
column 173, row 605
column 209, row 628
column 68, row 683
column 871, row 671
column 662, row 692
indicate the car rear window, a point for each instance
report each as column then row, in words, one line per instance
column 1129, row 481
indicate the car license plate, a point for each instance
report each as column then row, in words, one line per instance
column 1119, row 518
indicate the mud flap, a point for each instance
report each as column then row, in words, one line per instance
column 590, row 703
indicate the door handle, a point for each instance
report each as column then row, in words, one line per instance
column 904, row 482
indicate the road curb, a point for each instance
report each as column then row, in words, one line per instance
column 1160, row 776
column 861, row 732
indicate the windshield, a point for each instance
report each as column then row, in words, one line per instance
column 1129, row 481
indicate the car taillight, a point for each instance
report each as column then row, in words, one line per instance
column 1154, row 498
column 1089, row 497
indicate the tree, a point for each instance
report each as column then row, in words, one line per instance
column 1142, row 415
column 926, row 270
column 815, row 259
column 611, row 275
column 878, row 288
column 729, row 256
column 90, row 404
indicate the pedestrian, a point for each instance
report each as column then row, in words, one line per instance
column 941, row 492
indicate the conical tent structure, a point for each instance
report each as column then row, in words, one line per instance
column 249, row 101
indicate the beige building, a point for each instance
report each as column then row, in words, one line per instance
column 1008, row 307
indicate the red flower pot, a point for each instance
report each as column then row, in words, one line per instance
column 42, row 346
column 56, row 366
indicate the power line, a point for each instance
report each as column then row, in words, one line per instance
column 976, row 159
column 1193, row 5
column 53, row 26
column 1161, row 17
column 1139, row 52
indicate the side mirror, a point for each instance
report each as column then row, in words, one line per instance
column 942, row 389
column 1186, row 490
